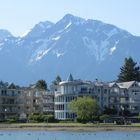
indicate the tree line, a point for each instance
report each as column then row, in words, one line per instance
column 130, row 71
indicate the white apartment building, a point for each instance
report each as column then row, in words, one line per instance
column 71, row 89
column 124, row 95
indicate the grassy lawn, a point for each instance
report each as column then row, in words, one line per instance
column 65, row 124
column 135, row 124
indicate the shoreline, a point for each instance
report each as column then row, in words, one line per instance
column 11, row 127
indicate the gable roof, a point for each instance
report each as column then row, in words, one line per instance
column 112, row 84
column 126, row 84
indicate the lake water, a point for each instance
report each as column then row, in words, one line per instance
column 59, row 135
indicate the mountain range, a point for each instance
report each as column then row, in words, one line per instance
column 89, row 49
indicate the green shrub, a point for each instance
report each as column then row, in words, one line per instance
column 104, row 117
column 48, row 118
column 36, row 118
column 11, row 121
column 42, row 118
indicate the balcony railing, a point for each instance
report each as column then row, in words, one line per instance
column 8, row 111
column 118, row 94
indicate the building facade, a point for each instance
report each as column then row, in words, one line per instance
column 72, row 89
column 24, row 102
column 126, row 96
column 118, row 96
column 11, row 103
column 20, row 103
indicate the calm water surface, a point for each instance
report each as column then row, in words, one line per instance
column 55, row 135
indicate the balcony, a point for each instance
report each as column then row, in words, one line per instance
column 9, row 111
column 8, row 104
column 86, row 93
column 66, row 93
column 123, row 94
column 114, row 94
column 124, row 102
column 8, row 96
column 48, row 110
column 114, row 103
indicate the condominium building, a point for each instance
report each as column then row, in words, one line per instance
column 23, row 102
column 11, row 103
column 119, row 96
column 48, row 103
column 125, row 95
column 39, row 102
column 71, row 89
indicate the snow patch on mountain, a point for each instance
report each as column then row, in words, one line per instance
column 67, row 30
column 40, row 55
column 25, row 33
column 38, row 41
column 68, row 25
column 58, row 54
column 56, row 38
column 112, row 50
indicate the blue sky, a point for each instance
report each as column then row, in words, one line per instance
column 19, row 16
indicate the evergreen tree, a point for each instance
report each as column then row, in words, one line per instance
column 130, row 71
column 57, row 80
column 41, row 85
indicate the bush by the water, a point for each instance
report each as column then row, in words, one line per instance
column 42, row 118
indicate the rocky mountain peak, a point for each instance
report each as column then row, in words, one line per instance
column 88, row 49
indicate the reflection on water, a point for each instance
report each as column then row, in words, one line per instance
column 55, row 135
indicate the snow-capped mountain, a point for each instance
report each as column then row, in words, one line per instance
column 88, row 49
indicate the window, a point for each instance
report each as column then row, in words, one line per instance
column 83, row 89
column 105, row 99
column 105, row 91
column 13, row 93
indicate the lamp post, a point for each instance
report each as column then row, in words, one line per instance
column 5, row 110
column 123, row 114
column 122, row 111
